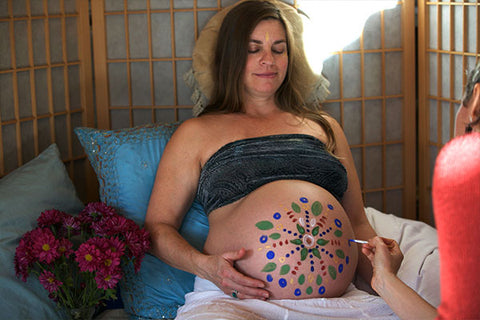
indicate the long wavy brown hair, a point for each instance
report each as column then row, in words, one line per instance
column 230, row 60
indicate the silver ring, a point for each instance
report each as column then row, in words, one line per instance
column 235, row 294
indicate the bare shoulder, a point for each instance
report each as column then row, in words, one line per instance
column 334, row 124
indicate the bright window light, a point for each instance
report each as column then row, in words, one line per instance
column 333, row 24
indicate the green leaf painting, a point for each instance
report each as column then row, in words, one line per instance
column 269, row 267
column 333, row 272
column 317, row 208
column 275, row 236
column 303, row 253
column 296, row 241
column 322, row 242
column 300, row 229
column 296, row 207
column 264, row 225
column 284, row 269
column 340, row 254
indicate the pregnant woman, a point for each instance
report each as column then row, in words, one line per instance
column 273, row 172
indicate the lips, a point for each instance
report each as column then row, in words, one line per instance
column 266, row 75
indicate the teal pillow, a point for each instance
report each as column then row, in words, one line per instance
column 125, row 162
column 39, row 185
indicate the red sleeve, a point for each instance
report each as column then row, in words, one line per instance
column 456, row 205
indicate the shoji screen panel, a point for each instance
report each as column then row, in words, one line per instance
column 45, row 82
column 449, row 45
column 142, row 50
column 373, row 98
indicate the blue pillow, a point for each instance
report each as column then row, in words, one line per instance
column 39, row 185
column 125, row 162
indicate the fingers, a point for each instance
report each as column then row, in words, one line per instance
column 235, row 283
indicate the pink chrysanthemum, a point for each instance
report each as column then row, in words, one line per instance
column 138, row 242
column 45, row 246
column 111, row 261
column 89, row 257
column 65, row 247
column 111, row 225
column 116, row 245
column 108, row 280
column 94, row 211
column 71, row 224
column 51, row 217
column 23, row 258
column 49, row 282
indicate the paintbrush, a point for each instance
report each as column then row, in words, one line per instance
column 358, row 241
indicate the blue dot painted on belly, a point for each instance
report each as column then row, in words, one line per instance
column 292, row 252
column 282, row 282
column 277, row 216
column 312, row 269
column 298, row 248
column 330, row 207
column 338, row 223
column 331, row 255
column 340, row 268
column 287, row 255
column 297, row 292
column 303, row 200
column 269, row 278
column 347, row 259
column 323, row 249
column 311, row 261
column 263, row 239
column 270, row 255
column 321, row 290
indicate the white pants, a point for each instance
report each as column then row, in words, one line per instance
column 208, row 302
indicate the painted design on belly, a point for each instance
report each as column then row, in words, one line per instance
column 312, row 232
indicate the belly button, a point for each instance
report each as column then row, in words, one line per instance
column 308, row 240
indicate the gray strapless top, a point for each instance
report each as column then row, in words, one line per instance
column 242, row 166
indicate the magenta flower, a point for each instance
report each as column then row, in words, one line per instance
column 89, row 257
column 111, row 261
column 94, row 211
column 45, row 246
column 116, row 245
column 49, row 282
column 65, row 247
column 51, row 217
column 107, row 280
column 71, row 224
column 111, row 225
column 23, row 258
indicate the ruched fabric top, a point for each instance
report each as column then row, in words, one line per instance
column 242, row 166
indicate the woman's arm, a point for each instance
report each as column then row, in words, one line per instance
column 172, row 195
column 352, row 200
column 386, row 257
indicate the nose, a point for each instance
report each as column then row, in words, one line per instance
column 267, row 58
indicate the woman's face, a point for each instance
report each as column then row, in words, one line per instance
column 468, row 113
column 267, row 59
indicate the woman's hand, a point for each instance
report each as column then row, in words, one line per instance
column 385, row 256
column 222, row 273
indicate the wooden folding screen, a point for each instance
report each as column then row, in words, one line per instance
column 448, row 46
column 45, row 83
column 373, row 97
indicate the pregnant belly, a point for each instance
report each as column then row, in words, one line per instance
column 297, row 239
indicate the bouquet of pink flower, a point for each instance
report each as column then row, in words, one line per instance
column 78, row 259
